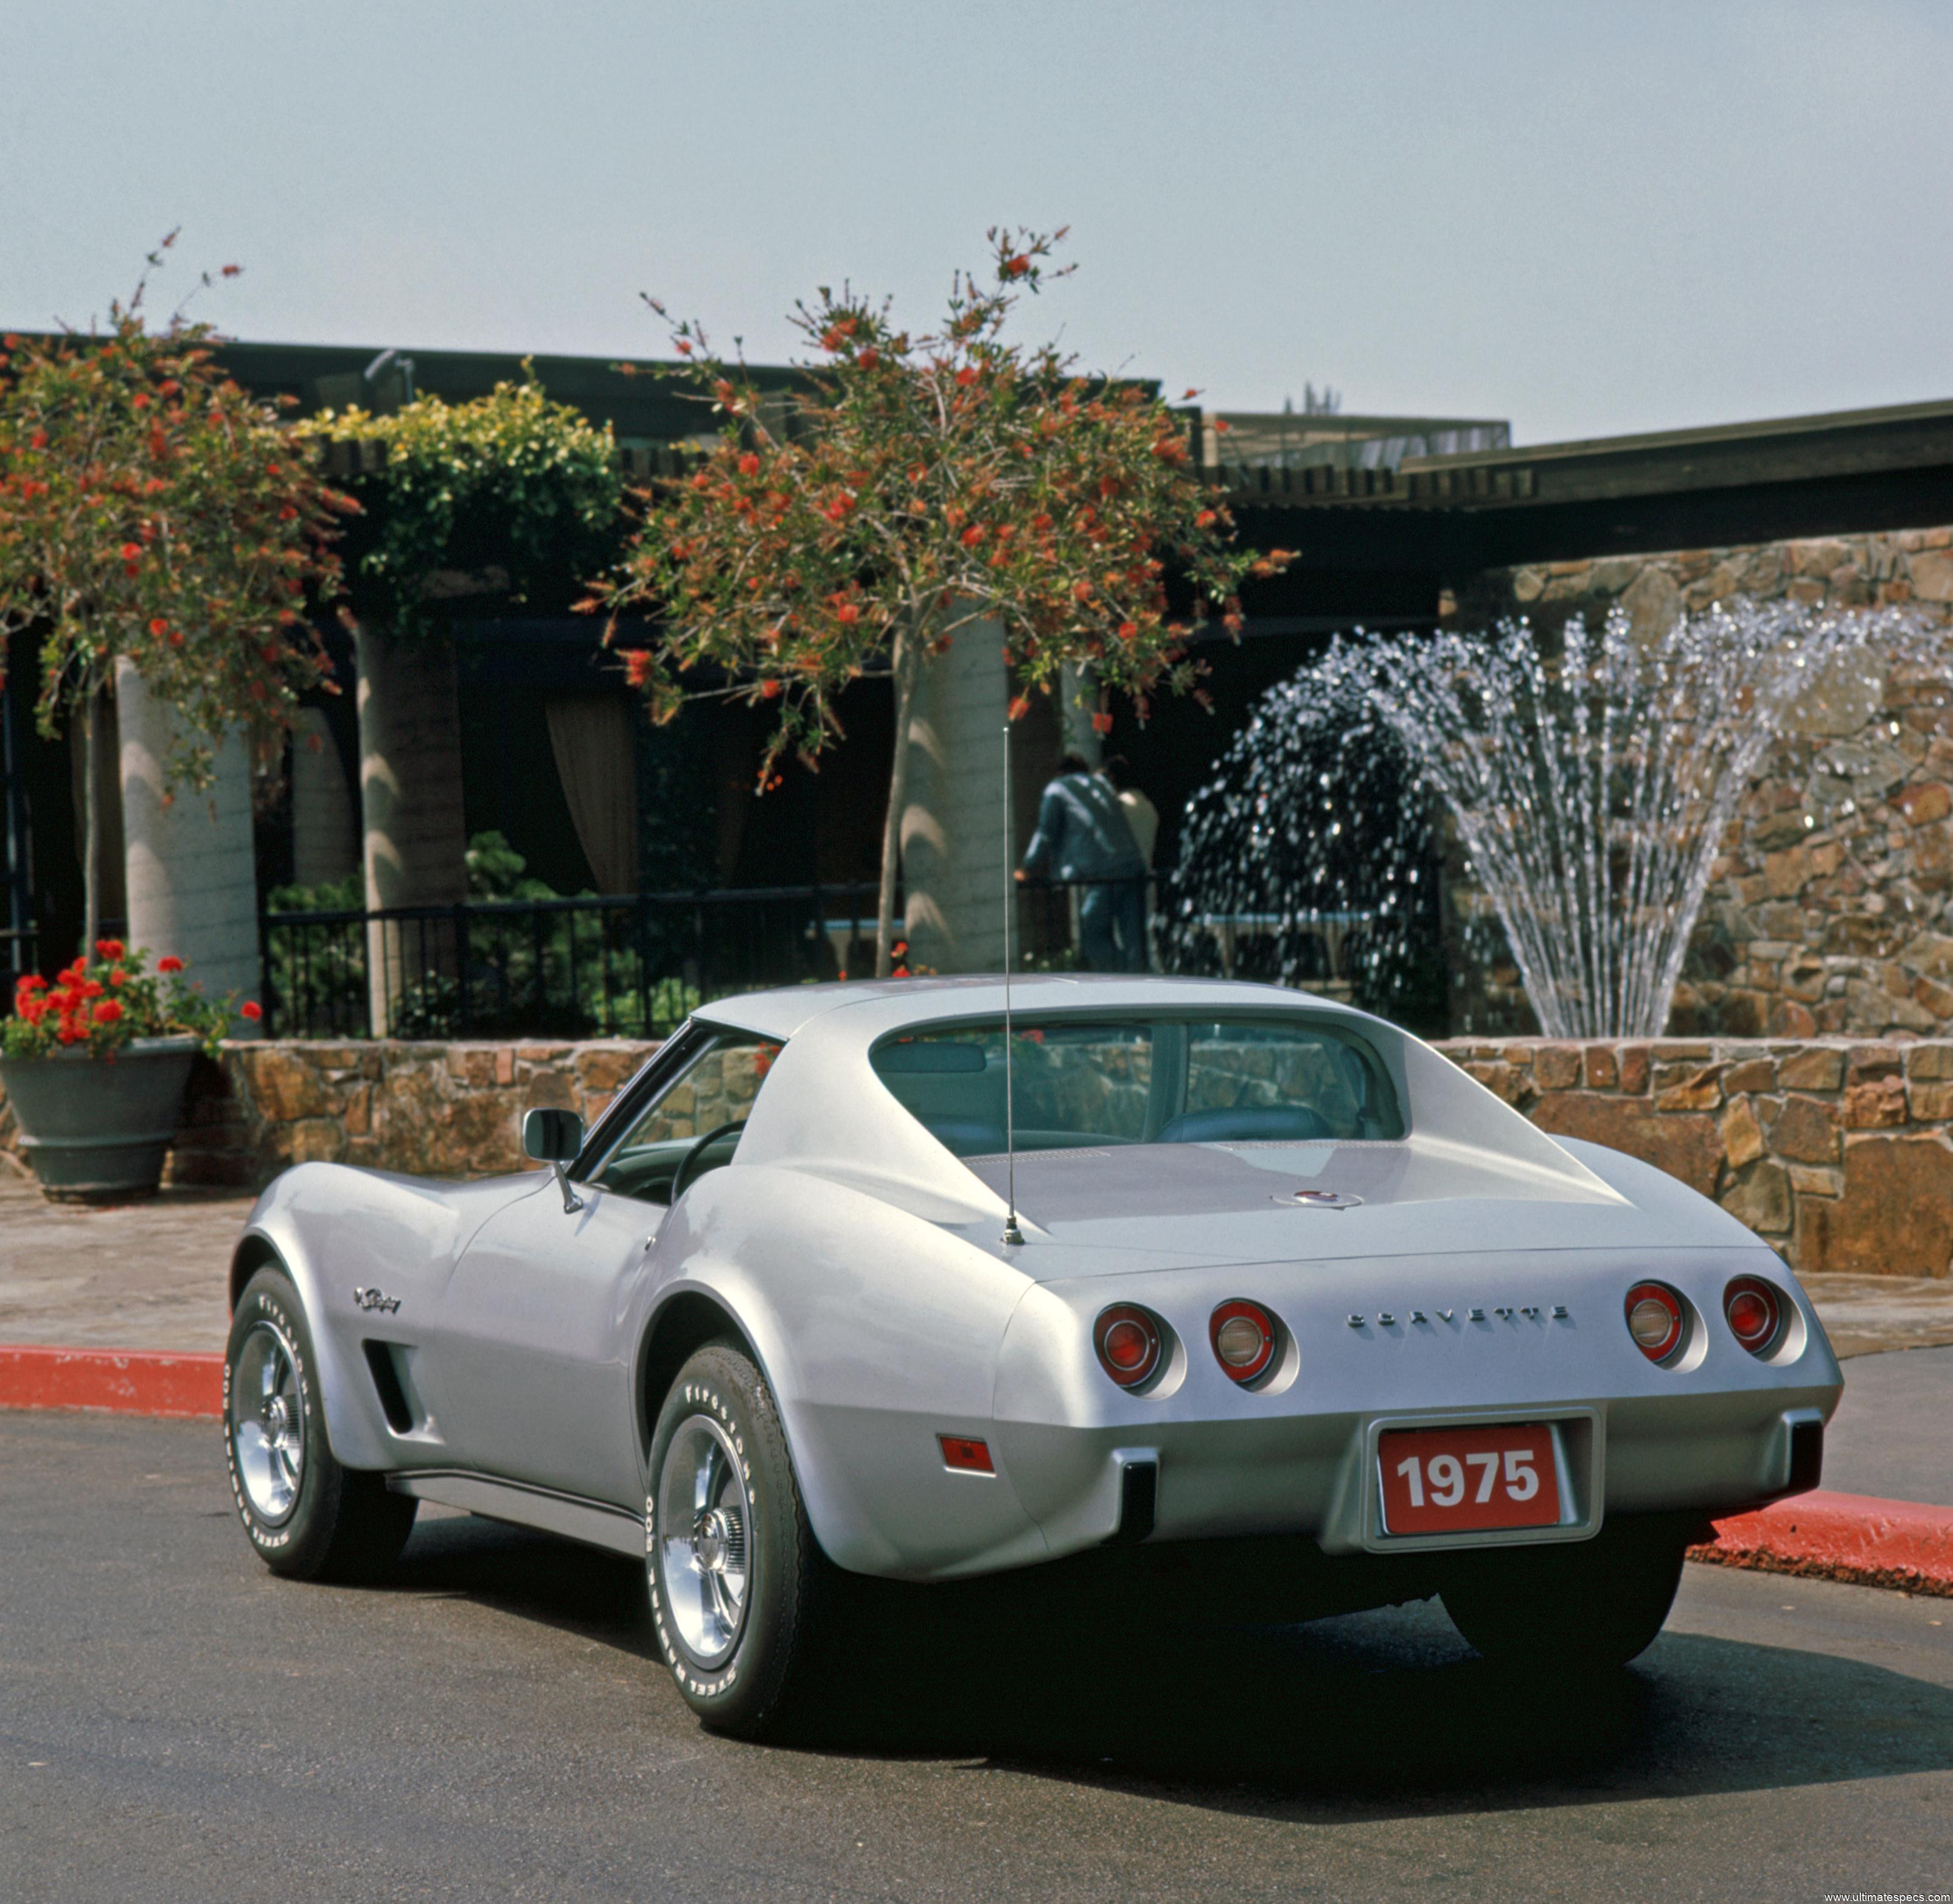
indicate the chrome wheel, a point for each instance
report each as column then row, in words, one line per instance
column 268, row 1422
column 704, row 1539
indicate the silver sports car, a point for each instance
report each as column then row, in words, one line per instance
column 843, row 1284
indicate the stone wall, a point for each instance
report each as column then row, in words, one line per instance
column 1830, row 910
column 1840, row 1153
column 430, row 1109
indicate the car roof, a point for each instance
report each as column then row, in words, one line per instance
column 783, row 1012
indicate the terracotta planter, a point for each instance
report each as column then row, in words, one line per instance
column 95, row 1128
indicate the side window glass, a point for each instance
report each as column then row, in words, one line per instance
column 715, row 1092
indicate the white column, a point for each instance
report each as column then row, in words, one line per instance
column 191, row 872
column 415, row 839
column 325, row 832
column 952, row 828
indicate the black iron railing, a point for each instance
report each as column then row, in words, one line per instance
column 627, row 965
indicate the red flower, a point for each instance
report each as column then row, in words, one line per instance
column 1129, row 630
column 118, row 977
column 869, row 358
column 1020, row 706
column 132, row 551
column 683, row 347
column 230, row 271
column 39, row 440
column 109, row 949
column 159, row 626
column 108, row 1011
column 966, row 376
column 638, row 666
column 848, row 614
column 1102, row 723
column 749, row 465
column 1082, row 590
column 1040, row 522
column 1016, row 267
column 973, row 535
column 32, row 982
column 251, row 1009
column 1205, row 519
column 169, row 962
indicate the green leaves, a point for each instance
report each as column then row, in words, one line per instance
column 913, row 486
column 509, row 495
column 152, row 511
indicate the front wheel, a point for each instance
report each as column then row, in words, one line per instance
column 306, row 1515
column 1584, row 1608
column 741, row 1595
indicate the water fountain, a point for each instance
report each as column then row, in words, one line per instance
column 1591, row 774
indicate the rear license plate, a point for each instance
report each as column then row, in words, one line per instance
column 1459, row 1480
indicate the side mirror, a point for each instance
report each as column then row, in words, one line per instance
column 551, row 1136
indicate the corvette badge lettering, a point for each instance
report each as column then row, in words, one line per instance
column 375, row 1298
column 1532, row 1312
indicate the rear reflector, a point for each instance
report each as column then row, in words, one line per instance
column 965, row 1457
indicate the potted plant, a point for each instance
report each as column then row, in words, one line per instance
column 95, row 1066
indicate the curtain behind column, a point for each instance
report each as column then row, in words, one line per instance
column 590, row 735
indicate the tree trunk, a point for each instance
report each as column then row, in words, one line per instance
column 908, row 666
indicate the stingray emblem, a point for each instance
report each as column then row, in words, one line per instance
column 375, row 1298
column 1320, row 1200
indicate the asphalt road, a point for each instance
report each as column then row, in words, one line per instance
column 1893, row 1433
column 175, row 1724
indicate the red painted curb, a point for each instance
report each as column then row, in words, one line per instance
column 1851, row 1537
column 130, row 1381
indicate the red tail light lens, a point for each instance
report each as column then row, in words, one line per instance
column 1244, row 1337
column 1754, row 1312
column 1655, row 1320
column 1128, row 1342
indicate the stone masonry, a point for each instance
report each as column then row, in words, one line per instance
column 1841, row 1154
column 1830, row 910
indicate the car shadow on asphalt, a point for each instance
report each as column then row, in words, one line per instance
column 1379, row 1714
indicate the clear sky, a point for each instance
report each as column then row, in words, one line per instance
column 1588, row 219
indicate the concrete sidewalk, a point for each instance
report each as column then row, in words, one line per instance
column 146, row 1275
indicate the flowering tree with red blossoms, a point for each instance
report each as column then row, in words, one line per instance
column 911, row 488
column 152, row 509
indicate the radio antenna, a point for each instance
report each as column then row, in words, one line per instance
column 1013, row 1236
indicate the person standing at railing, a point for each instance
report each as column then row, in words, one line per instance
column 1143, row 821
column 1082, row 838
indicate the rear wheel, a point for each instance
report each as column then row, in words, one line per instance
column 306, row 1515
column 1589, row 1607
column 742, row 1597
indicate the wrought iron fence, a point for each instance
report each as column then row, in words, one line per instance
column 634, row 965
column 621, row 966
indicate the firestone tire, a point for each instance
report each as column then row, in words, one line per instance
column 745, row 1604
column 308, row 1516
column 1548, row 1611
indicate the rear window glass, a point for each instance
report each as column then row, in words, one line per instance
column 1081, row 1082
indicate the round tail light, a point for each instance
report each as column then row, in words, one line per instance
column 1128, row 1342
column 1754, row 1312
column 1243, row 1336
column 1654, row 1319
